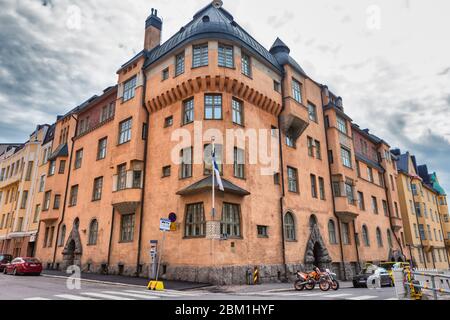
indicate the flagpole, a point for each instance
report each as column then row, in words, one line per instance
column 213, row 180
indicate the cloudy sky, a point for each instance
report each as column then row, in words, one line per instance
column 389, row 60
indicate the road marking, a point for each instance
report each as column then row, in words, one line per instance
column 338, row 295
column 362, row 298
column 37, row 298
column 105, row 296
column 73, row 297
column 162, row 293
column 134, row 295
column 392, row 299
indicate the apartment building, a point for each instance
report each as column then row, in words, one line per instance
column 321, row 191
column 423, row 215
column 18, row 187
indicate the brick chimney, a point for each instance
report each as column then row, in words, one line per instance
column 153, row 26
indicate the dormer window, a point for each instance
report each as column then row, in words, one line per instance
column 297, row 91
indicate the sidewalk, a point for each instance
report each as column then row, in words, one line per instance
column 266, row 287
column 129, row 281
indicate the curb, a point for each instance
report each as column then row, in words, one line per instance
column 97, row 281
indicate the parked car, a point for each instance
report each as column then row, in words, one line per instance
column 389, row 266
column 24, row 265
column 360, row 280
column 4, row 260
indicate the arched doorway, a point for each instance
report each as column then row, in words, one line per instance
column 70, row 253
column 73, row 249
column 316, row 251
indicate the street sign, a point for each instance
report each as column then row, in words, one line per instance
column 164, row 225
column 173, row 226
column 173, row 217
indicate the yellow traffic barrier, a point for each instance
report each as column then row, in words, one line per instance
column 255, row 276
column 156, row 286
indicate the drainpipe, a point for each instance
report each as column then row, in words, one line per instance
column 356, row 242
column 417, row 219
column 110, row 238
column 141, row 217
column 66, row 190
column 390, row 214
column 283, row 190
column 332, row 194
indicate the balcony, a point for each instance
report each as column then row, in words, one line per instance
column 346, row 210
column 126, row 199
column 397, row 223
column 50, row 215
column 294, row 119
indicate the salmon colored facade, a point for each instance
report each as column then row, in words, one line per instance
column 306, row 187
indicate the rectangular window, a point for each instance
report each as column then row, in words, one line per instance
column 246, row 65
column 263, row 231
column 393, row 183
column 350, row 193
column 310, row 142
column 168, row 122
column 396, row 210
column 97, row 190
column 62, row 166
column 137, row 179
column 127, row 228
column 297, row 91
column 165, row 74
column 330, row 156
column 239, row 163
column 52, row 168
column 195, row 220
column 292, row 179
column 238, row 111
column 188, row 111
column 179, row 64
column 78, row 158
column 369, row 174
column 290, row 142
column 107, row 112
column 186, row 163
column 341, row 124
column 29, row 170
column 73, row 196
column 362, row 205
column 312, row 111
column 231, row 221
column 125, row 131
column 47, row 196
column 346, row 157
column 129, row 89
column 213, row 107
column 313, row 186
column 276, row 86
column 23, row 204
column 37, row 211
column 200, row 55
column 374, row 205
column 318, row 151
column 422, row 232
column 380, row 179
column 42, row 183
column 346, row 233
column 101, row 149
column 226, row 56
column 208, row 158
column 321, row 188
column 385, row 208
column 122, row 177
column 276, row 178
column 57, row 201
column 144, row 131
column 166, row 171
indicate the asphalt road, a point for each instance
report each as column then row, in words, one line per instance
column 46, row 288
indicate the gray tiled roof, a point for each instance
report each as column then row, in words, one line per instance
column 402, row 163
column 221, row 25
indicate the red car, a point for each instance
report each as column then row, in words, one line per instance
column 23, row 265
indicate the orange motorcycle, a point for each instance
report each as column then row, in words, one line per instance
column 309, row 280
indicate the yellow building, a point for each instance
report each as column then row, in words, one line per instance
column 18, row 185
column 421, row 213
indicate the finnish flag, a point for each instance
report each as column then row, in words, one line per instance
column 216, row 171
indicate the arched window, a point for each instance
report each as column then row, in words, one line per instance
column 76, row 223
column 62, row 236
column 332, row 232
column 93, row 232
column 231, row 220
column 379, row 239
column 195, row 220
column 289, row 226
column 389, row 237
column 365, row 235
column 312, row 221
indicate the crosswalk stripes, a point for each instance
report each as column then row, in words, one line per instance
column 104, row 296
column 132, row 295
column 362, row 298
column 338, row 295
column 73, row 297
column 392, row 299
column 168, row 294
